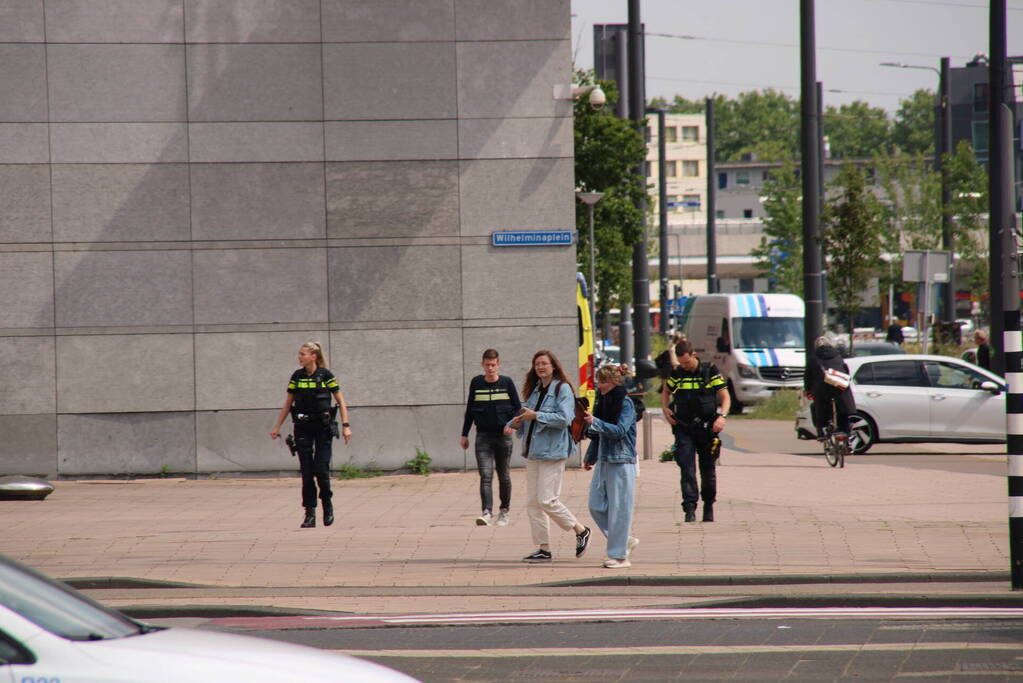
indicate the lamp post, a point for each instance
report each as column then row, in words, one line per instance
column 589, row 199
column 942, row 146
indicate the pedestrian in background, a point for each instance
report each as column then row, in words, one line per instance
column 491, row 405
column 611, row 455
column 313, row 422
column 894, row 335
column 543, row 424
column 983, row 349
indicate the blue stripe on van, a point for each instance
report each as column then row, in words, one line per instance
column 763, row 306
column 774, row 356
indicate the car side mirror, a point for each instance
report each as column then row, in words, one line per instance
column 723, row 347
column 991, row 387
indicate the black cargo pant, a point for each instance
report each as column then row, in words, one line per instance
column 692, row 445
column 313, row 442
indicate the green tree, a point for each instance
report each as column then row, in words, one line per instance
column 762, row 123
column 856, row 130
column 607, row 152
column 913, row 130
column 779, row 257
column 851, row 238
column 968, row 201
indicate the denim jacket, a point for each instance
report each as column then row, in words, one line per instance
column 613, row 443
column 551, row 438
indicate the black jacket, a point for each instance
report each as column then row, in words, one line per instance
column 827, row 357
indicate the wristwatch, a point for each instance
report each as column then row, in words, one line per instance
column 346, row 424
column 717, row 415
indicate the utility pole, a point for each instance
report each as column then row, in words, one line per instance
column 941, row 150
column 713, row 286
column 662, row 206
column 808, row 143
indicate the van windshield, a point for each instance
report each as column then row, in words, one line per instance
column 767, row 333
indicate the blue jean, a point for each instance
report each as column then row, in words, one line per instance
column 494, row 449
column 612, row 492
column 313, row 443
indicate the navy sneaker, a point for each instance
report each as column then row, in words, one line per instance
column 540, row 555
column 581, row 541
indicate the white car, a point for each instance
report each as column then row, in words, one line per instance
column 51, row 632
column 919, row 398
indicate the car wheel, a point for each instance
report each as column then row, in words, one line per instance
column 862, row 434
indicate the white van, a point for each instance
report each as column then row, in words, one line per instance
column 755, row 340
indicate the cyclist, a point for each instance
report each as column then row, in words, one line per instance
column 826, row 357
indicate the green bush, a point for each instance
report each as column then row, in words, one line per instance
column 419, row 464
column 349, row 471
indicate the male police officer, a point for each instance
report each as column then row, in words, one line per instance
column 695, row 401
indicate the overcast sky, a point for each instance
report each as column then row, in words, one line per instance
column 754, row 44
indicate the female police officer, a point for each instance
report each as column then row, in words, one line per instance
column 308, row 402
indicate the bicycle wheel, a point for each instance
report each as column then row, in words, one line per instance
column 831, row 449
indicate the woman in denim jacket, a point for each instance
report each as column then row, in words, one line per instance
column 612, row 450
column 543, row 423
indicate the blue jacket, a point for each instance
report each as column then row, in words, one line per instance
column 551, row 438
column 614, row 443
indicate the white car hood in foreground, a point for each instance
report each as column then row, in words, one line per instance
column 180, row 654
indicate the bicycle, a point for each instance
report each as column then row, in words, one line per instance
column 836, row 443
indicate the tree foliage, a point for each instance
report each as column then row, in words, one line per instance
column 967, row 207
column 779, row 257
column 913, row 130
column 608, row 150
column 856, row 130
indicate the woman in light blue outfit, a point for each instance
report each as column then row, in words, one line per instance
column 612, row 455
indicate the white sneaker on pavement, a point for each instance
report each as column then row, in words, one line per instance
column 484, row 519
column 615, row 563
column 502, row 518
column 630, row 546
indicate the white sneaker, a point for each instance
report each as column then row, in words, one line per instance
column 631, row 545
column 484, row 519
column 614, row 563
column 502, row 518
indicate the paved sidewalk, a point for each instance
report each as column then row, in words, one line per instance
column 778, row 515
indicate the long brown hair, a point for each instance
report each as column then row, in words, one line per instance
column 531, row 377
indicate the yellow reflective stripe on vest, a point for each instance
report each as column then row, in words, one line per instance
column 483, row 395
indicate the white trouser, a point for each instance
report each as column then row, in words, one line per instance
column 543, row 486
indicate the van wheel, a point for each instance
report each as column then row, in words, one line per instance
column 737, row 406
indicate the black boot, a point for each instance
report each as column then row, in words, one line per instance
column 690, row 514
column 328, row 513
column 310, row 518
column 708, row 512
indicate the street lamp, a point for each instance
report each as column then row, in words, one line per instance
column 589, row 199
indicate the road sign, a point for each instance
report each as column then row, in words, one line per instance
column 532, row 238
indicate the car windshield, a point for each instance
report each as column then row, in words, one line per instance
column 59, row 609
column 768, row 333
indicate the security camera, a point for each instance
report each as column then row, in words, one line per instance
column 597, row 99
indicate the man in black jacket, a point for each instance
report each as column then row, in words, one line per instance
column 825, row 357
column 492, row 403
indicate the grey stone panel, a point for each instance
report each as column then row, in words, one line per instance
column 239, row 441
column 253, row 21
column 131, row 443
column 243, row 142
column 23, row 83
column 518, row 282
column 392, row 199
column 114, row 21
column 387, row 438
column 25, row 203
column 130, row 373
column 357, row 21
column 260, row 285
column 28, row 376
column 508, row 194
column 120, row 202
column 517, row 346
column 247, row 370
column 391, row 140
column 527, row 72
column 374, row 81
column 26, row 289
column 394, row 283
column 119, row 143
column 430, row 374
column 515, row 138
column 255, row 83
column 24, row 143
column 257, row 201
column 21, row 21
column 512, row 19
column 116, row 288
column 29, row 446
column 110, row 83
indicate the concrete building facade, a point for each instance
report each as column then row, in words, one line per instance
column 193, row 188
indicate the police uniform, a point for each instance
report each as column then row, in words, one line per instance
column 311, row 417
column 694, row 407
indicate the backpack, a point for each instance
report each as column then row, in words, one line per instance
column 578, row 426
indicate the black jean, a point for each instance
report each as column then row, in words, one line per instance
column 821, row 413
column 494, row 450
column 313, row 442
column 690, row 446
